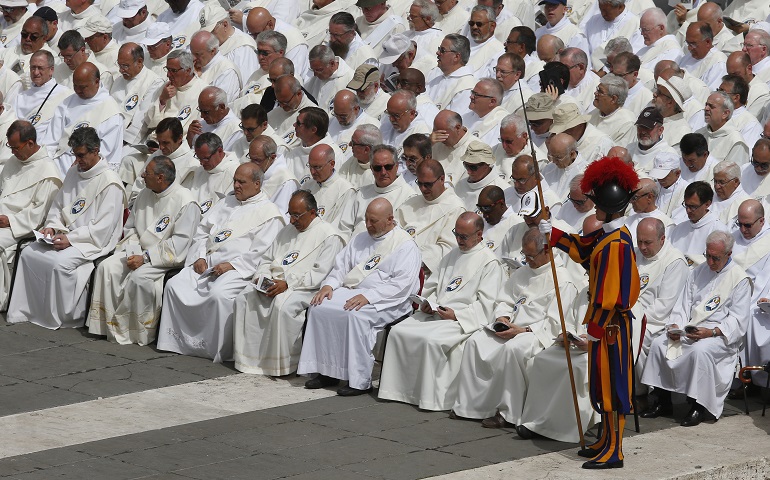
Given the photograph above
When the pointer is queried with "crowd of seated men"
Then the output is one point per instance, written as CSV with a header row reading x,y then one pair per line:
x,y
274,184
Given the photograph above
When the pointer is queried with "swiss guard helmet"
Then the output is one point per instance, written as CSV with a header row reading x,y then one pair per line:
x,y
609,182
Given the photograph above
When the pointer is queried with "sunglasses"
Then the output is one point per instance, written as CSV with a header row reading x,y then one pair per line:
x,y
379,168
472,166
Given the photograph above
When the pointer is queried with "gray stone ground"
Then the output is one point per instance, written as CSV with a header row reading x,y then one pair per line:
x,y
336,438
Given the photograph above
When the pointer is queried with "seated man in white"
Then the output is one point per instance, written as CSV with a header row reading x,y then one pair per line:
x,y
197,317
347,115
521,174
331,191
330,74
725,141
644,205
347,44
610,116
38,103
754,175
128,287
356,169
213,177
368,287
577,206
216,117
279,183
424,352
659,44
663,272
700,362
403,119
527,306
179,96
450,140
450,83
82,225
214,68
28,183
703,61
498,217
430,216
485,111
667,171
480,172
268,324
689,235
566,162
728,190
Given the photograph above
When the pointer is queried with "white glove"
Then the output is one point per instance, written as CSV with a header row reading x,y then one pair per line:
x,y
545,227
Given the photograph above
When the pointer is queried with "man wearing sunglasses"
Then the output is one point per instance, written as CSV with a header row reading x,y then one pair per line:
x,y
480,169
295,48
15,13
480,30
754,176
429,217
498,217
689,236
577,207
451,81
33,35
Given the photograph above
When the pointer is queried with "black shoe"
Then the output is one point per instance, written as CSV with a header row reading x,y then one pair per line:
x,y
696,415
588,452
591,465
321,381
524,432
657,411
348,391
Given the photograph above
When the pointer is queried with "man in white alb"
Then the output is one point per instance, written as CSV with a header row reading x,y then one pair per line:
x,y
213,178
331,191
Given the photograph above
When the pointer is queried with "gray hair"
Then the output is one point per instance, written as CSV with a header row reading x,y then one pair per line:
x,y
380,148
764,38
616,86
220,96
370,134
461,45
257,174
428,9
212,43
515,121
48,57
618,45
658,16
184,56
533,236
488,10
322,53
165,166
84,137
727,102
576,55
496,86
269,147
286,65
276,40
574,184
731,169
454,120
718,236
409,96
210,139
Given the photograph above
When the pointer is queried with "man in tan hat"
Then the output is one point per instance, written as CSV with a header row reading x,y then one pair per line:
x,y
377,22
591,143
450,141
366,84
486,112
669,99
97,32
429,217
402,120
725,141
480,170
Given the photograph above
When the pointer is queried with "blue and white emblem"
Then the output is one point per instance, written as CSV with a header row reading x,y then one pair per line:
x,y
34,119
521,301
343,146
454,284
321,211
184,113
644,279
132,102
162,223
81,125
178,41
223,235
713,303
290,258
372,262
79,205
205,206
490,244
410,230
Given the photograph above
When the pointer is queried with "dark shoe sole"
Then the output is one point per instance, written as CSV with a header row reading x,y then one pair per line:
x,y
602,465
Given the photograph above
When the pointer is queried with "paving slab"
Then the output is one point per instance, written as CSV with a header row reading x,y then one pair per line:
x,y
55,361
349,450
167,458
28,396
279,437
439,433
376,418
92,469
415,465
265,466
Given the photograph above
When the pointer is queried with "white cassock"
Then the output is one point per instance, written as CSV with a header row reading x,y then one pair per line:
x,y
494,234
758,186
135,98
583,92
759,96
352,218
599,31
342,135
746,123
267,332
567,32
619,125
374,34
279,184
63,75
430,223
283,121
51,284
710,69
486,128
657,298
297,156
379,103
324,90
254,88
726,144
126,303
638,98
633,219
241,49
451,92
451,157
665,48
569,215
360,53
209,186
27,189
493,371
394,138
559,178
221,72
754,256
100,112
314,22
183,105
644,158
424,352
135,34
704,369
197,317
594,144
133,166
331,196
228,130
357,173
727,209
338,343
749,11
427,42
690,238
706,173
469,191
548,407
182,25
38,104
674,128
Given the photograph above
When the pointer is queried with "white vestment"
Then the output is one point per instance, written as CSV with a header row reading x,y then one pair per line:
x,y
267,332
279,184
135,97
469,191
221,72
594,144
38,104
645,158
283,121
619,125
209,186
324,90
182,25
710,69
183,105
338,343
357,173
424,352
331,196
451,92
197,317
314,22
690,238
559,178
374,34
352,218
726,144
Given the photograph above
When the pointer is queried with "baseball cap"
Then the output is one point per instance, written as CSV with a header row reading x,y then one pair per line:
x,y
364,76
129,8
156,32
212,14
394,47
96,24
46,13
663,164
649,117
530,204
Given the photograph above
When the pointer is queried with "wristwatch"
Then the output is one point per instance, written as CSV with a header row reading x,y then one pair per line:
x,y
714,332
146,256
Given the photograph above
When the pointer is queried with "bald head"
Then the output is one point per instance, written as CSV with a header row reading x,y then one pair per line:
x,y
621,153
259,19
468,230
664,65
85,80
379,217
548,48
591,224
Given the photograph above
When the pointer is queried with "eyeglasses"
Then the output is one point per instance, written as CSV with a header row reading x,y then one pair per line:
x,y
513,42
204,159
337,35
521,181
397,116
246,129
503,73
358,144
720,89
554,158
207,112
408,159
462,237
255,159
475,94
172,71
264,53
378,168
691,207
639,196
760,165
477,24
746,225
32,36
714,258
296,216
343,116
600,93
531,257
647,30
749,45
287,102
657,93
68,58
427,185
316,168
576,202
472,167
486,208
722,183
442,50
121,66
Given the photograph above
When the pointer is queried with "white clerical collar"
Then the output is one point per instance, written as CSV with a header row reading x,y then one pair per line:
x,y
614,225
661,253
216,59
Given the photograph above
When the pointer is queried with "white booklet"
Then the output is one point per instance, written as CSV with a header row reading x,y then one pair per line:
x,y
133,249
419,299
43,238
263,283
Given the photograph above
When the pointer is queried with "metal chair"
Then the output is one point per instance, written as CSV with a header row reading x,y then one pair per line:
x,y
19,246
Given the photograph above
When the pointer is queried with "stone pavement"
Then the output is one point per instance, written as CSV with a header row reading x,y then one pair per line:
x,y
76,406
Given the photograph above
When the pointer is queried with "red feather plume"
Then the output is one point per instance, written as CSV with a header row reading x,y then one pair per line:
x,y
609,169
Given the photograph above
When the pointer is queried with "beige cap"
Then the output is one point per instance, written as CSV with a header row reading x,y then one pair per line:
x,y
96,24
364,76
678,89
211,14
539,107
565,117
478,152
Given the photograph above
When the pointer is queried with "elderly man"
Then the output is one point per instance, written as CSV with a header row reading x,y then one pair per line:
x,y
484,47
527,306
28,183
76,15
347,44
72,49
725,141
582,81
626,65
663,272
89,106
743,120
751,253
136,89
452,80
577,207
377,22
565,162
739,64
387,184
135,19
429,217
730,194
724,39
183,20
696,158
509,70
480,169
559,25
450,141
666,171
32,41
703,60
97,32
591,143
330,75
644,205
227,248
613,20
467,279
14,16
82,225
234,44
366,84
356,169
352,306
485,111
156,237
216,117
347,116
540,108
268,321
179,95
213,178
402,119
514,142
159,44
754,176
659,44
689,235
650,141
279,183
290,99
498,217
295,48
610,117
669,99
332,192
422,18
703,335
311,129
213,67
